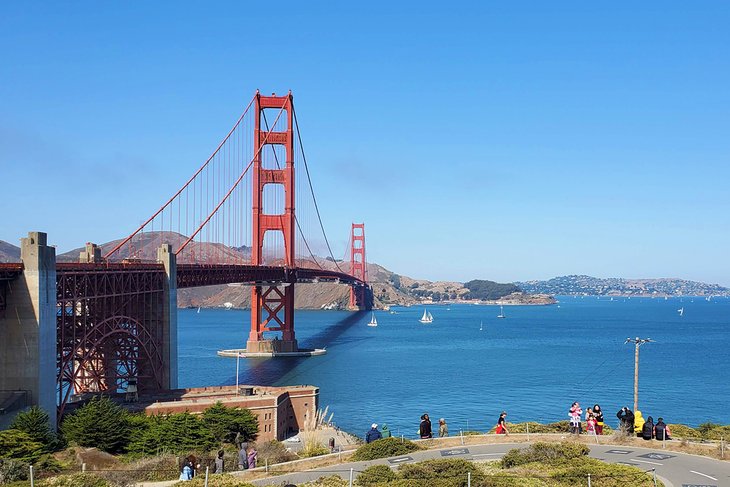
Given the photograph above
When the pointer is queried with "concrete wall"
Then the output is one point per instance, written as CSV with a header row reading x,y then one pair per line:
x,y
28,332
166,255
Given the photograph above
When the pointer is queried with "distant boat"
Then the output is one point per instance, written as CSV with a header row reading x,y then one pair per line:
x,y
501,312
426,318
198,309
611,299
228,305
373,321
681,311
481,326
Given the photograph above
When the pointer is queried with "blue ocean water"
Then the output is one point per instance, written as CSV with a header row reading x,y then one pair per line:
x,y
533,364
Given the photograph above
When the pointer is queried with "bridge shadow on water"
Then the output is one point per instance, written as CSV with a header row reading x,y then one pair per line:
x,y
270,371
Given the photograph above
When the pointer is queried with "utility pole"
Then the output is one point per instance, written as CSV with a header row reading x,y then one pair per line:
x,y
637,343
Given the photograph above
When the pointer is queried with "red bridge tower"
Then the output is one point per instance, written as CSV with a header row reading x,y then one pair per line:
x,y
358,264
272,306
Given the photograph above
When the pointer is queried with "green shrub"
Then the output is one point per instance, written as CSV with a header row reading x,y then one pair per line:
x,y
224,423
36,423
273,451
223,480
19,445
446,472
313,449
100,423
331,481
682,431
548,453
76,480
603,474
383,448
376,473
716,433
12,470
172,433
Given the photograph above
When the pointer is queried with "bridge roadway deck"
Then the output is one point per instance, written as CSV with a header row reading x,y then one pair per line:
x,y
194,275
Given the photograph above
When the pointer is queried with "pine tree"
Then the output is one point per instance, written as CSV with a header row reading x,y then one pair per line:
x,y
99,423
36,423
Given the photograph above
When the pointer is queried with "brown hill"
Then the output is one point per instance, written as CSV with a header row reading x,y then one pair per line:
x,y
9,252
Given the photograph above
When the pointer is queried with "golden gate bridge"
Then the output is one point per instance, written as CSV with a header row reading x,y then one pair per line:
x,y
238,219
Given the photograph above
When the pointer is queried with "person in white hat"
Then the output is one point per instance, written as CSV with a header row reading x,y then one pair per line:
x,y
373,434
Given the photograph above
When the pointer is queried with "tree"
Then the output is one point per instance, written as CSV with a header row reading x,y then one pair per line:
x,y
172,433
36,423
19,445
224,423
99,423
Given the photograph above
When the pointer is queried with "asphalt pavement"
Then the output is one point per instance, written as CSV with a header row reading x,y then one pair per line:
x,y
673,468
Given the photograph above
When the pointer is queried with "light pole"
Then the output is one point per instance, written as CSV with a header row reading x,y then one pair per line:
x,y
637,343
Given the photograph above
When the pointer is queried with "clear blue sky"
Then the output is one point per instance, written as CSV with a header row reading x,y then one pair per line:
x,y
508,141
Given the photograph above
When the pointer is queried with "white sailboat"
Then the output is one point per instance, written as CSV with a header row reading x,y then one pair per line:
x,y
501,312
373,321
481,326
426,318
198,309
681,311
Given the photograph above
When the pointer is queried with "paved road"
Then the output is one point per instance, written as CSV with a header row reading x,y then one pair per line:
x,y
674,469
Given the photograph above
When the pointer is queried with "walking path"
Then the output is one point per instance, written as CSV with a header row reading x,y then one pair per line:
x,y
673,468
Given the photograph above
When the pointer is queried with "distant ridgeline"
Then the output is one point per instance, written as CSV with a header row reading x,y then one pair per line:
x,y
593,286
488,290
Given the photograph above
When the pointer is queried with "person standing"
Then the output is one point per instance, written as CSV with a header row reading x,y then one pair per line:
x,y
502,424
219,462
373,434
243,457
661,430
252,456
598,414
626,420
386,431
424,430
575,413
443,428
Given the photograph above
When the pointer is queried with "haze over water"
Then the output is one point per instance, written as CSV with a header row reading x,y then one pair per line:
x,y
532,364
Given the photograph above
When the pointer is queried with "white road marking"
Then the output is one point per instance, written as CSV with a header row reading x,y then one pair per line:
x,y
704,475
486,454
646,461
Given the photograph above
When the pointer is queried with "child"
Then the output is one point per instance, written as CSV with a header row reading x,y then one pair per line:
x,y
591,424
575,413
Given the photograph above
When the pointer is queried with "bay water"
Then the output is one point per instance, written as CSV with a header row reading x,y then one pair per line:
x,y
532,364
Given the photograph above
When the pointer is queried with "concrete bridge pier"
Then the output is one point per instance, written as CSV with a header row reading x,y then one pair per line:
x,y
167,257
28,331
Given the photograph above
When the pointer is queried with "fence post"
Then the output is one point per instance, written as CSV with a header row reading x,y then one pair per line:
x,y
722,447
528,430
596,435
83,467
468,479
266,465
654,475
402,438
589,480
32,483
461,434
352,471
206,475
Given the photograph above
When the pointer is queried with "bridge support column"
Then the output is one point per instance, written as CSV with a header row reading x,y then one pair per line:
x,y
272,309
28,344
166,256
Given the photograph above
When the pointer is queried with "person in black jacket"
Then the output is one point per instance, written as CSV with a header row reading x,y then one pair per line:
x,y
647,431
661,430
424,430
626,418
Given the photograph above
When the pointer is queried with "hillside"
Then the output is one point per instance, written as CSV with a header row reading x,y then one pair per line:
x,y
593,286
9,252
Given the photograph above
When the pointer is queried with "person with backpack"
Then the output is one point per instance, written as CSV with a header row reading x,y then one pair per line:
x,y
626,420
